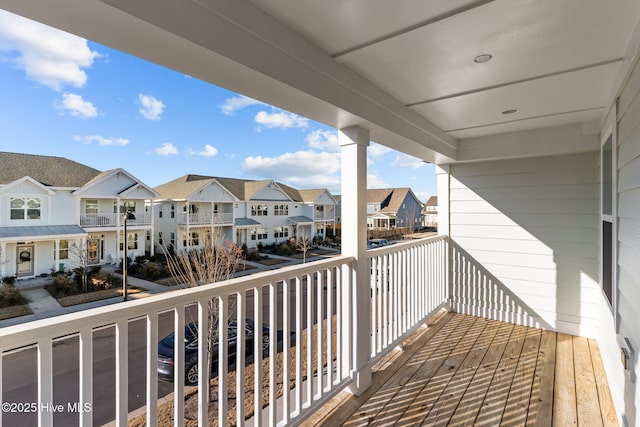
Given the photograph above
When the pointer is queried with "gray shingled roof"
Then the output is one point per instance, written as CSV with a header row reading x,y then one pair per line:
x,y
48,170
182,187
300,220
35,231
244,222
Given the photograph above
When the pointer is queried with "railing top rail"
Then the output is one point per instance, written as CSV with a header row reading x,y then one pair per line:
x,y
17,336
407,244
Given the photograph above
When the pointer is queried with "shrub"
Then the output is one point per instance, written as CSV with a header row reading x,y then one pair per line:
x,y
62,286
102,281
9,296
253,255
9,280
153,271
260,247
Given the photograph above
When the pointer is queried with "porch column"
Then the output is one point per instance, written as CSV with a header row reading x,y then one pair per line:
x,y
443,182
354,142
56,254
3,259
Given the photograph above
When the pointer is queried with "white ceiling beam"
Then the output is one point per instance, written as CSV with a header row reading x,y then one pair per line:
x,y
567,139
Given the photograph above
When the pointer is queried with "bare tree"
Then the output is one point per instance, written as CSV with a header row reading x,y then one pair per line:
x,y
80,257
303,244
214,261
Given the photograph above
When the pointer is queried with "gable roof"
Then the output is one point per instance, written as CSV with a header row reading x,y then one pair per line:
x,y
48,170
378,195
183,186
390,199
433,201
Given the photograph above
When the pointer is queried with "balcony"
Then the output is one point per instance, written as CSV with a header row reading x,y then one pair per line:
x,y
112,220
458,365
205,218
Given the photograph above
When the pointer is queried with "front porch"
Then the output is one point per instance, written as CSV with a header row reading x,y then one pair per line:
x,y
464,370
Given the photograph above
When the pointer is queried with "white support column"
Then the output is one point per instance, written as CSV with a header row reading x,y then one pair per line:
x,y
3,259
443,180
354,142
56,254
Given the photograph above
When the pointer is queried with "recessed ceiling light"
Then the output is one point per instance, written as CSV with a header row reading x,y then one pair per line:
x,y
481,59
507,112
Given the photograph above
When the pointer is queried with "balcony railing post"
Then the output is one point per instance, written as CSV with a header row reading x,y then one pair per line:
x,y
354,142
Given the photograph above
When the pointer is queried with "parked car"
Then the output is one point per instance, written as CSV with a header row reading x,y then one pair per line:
x,y
166,350
377,243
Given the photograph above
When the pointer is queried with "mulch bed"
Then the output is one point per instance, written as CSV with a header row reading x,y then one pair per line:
x,y
14,311
95,296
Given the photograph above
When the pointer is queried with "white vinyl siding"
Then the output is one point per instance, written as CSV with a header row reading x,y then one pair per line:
x,y
524,235
628,243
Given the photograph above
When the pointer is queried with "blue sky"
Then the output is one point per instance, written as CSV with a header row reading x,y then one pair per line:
x,y
65,96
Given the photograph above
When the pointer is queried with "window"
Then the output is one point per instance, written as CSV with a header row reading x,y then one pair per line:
x,y
173,210
259,210
160,241
25,208
259,234
195,238
281,210
160,213
63,250
173,238
280,232
91,206
263,233
132,241
124,207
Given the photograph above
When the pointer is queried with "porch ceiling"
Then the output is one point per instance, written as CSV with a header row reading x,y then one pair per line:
x,y
403,69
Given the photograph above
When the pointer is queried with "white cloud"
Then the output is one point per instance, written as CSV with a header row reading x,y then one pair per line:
x,y
323,140
166,149
76,106
101,140
150,107
374,181
303,168
405,161
209,151
231,105
377,150
281,119
48,56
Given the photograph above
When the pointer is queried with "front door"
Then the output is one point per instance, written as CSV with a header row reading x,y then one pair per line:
x,y
25,261
93,252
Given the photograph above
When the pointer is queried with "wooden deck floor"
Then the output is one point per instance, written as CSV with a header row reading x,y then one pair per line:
x,y
465,370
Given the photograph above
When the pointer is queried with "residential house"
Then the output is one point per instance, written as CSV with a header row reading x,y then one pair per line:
x,y
393,208
189,207
430,213
57,213
529,109
238,210
320,205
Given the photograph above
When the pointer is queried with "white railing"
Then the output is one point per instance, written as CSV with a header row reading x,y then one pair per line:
x,y
306,308
408,284
314,361
205,218
98,220
112,220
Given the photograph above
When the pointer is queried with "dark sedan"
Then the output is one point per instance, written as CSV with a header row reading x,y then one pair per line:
x,y
166,347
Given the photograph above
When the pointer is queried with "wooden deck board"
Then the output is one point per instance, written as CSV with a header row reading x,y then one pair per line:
x,y
465,371
540,411
564,400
